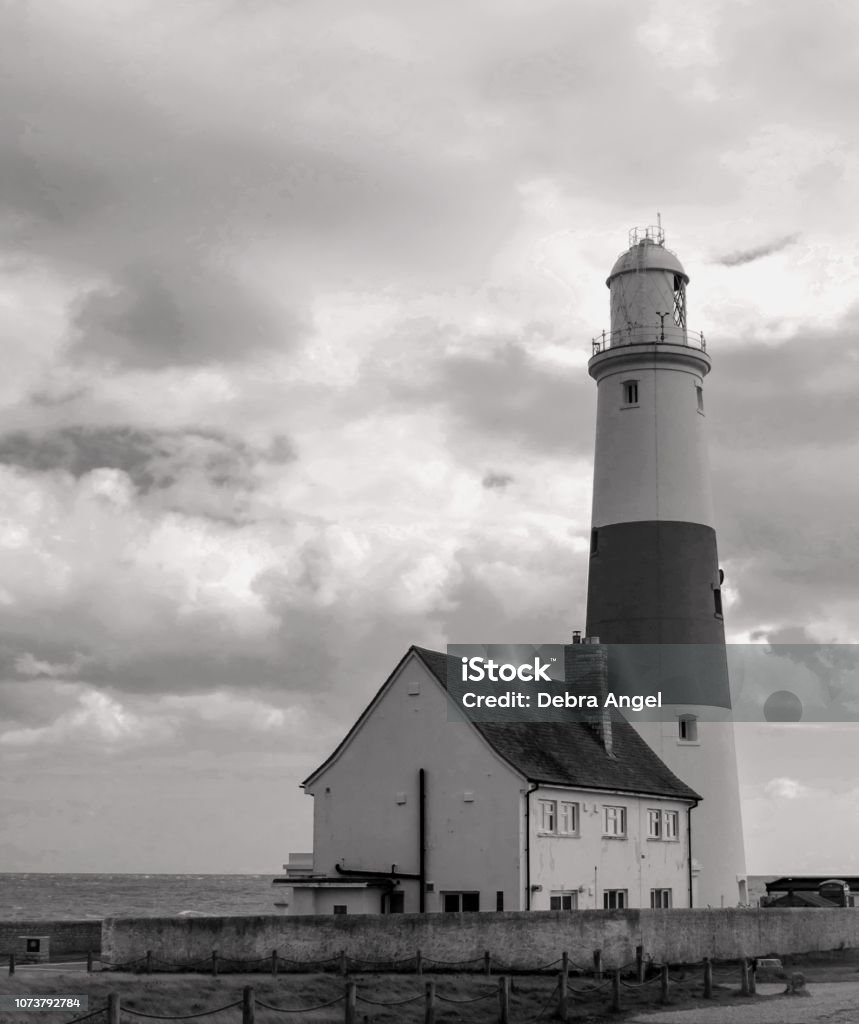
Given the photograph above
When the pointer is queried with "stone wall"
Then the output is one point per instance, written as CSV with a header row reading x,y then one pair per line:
x,y
66,936
516,939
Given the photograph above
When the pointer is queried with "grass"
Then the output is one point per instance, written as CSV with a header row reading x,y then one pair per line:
x,y
175,994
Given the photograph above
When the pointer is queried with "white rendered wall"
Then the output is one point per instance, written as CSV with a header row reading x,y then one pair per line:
x,y
651,459
709,766
595,863
474,844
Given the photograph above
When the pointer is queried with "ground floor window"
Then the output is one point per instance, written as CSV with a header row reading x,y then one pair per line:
x,y
564,900
393,903
615,899
660,899
339,908
454,902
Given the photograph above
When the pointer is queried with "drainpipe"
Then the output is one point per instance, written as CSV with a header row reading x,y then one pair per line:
x,y
422,840
534,786
689,845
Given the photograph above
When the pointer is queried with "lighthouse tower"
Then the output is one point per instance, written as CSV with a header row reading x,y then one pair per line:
x,y
654,576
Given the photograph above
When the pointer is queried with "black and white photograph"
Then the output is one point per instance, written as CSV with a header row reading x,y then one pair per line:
x,y
429,555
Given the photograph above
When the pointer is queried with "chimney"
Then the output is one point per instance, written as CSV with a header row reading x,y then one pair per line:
x,y
587,664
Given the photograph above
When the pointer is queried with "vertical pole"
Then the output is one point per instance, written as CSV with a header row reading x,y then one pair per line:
x,y
214,961
419,967
113,1008
11,963
249,1012
663,982
615,991
343,970
565,962
708,978
562,996
429,1004
744,977
639,964
422,841
753,981
148,961
89,961
274,963
598,964
351,1003
504,1000
487,963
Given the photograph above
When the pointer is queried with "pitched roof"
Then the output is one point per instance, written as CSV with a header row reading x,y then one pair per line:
x,y
571,753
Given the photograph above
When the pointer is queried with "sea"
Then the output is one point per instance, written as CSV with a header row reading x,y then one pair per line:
x,y
45,897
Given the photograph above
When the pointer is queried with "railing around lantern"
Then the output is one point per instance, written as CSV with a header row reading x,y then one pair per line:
x,y
658,334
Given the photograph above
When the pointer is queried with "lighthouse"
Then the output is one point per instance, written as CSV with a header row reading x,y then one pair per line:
x,y
654,582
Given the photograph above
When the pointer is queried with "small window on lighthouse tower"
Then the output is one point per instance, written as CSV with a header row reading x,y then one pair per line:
x,y
679,301
688,728
700,393
630,392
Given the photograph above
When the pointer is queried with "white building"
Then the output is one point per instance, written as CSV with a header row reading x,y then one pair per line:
x,y
414,811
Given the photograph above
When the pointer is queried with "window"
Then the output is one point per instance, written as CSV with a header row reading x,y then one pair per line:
x,y
568,819
454,902
614,822
671,825
499,900
396,902
547,816
699,391
614,899
630,392
717,601
679,301
564,900
688,726
660,899
339,908
654,823
595,542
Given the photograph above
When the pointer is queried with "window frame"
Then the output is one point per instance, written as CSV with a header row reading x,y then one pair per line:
x,y
689,724
654,823
630,393
560,895
575,814
661,899
547,809
618,820
620,898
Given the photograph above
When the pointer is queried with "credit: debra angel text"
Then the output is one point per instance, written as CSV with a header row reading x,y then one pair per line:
x,y
478,669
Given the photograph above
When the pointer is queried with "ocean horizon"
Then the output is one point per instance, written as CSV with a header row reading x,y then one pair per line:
x,y
45,896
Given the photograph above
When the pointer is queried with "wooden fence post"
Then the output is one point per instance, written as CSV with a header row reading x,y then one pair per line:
x,y
663,982
214,961
562,996
708,978
351,1003
419,967
249,1012
113,1008
89,961
429,1004
615,991
598,964
639,964
343,965
11,963
148,961
274,963
565,962
503,1000
487,963
744,977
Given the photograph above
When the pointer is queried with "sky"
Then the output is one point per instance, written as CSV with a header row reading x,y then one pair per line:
x,y
296,302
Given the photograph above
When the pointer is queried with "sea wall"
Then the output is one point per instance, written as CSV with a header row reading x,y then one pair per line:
x,y
515,939
65,936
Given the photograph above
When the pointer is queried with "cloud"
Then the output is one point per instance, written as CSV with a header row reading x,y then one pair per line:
x,y
741,257
497,481
785,789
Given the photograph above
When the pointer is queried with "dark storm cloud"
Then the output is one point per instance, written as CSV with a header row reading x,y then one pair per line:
x,y
509,394
738,259
497,481
152,459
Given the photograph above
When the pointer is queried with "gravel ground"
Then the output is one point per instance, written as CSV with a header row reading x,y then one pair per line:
x,y
827,1003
